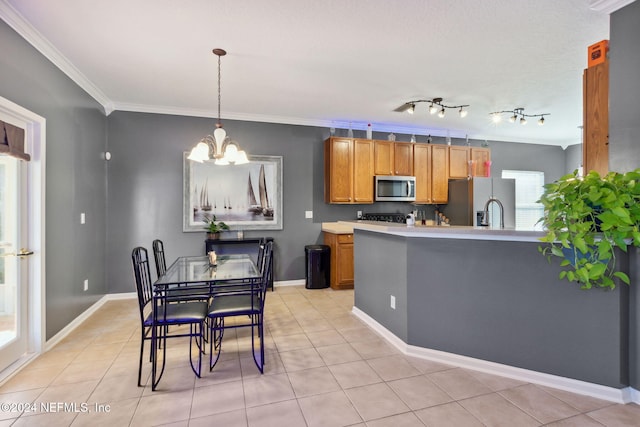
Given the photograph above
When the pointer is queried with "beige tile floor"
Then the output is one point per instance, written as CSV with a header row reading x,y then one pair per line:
x,y
324,368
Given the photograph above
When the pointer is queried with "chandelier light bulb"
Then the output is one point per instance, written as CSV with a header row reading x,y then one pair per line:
x,y
220,135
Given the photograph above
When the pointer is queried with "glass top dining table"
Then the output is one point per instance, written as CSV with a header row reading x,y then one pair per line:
x,y
197,270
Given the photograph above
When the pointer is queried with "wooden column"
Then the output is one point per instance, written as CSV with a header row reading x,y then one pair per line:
x,y
595,143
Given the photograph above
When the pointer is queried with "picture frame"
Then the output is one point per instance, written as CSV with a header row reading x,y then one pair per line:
x,y
245,197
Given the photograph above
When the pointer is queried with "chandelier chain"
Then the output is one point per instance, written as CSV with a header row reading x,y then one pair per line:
x,y
219,92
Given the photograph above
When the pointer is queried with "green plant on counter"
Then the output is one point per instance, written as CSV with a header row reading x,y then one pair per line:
x,y
213,226
586,219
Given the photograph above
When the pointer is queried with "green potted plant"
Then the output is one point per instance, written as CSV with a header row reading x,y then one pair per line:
x,y
586,220
214,227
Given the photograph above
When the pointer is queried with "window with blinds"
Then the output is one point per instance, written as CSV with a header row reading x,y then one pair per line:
x,y
529,188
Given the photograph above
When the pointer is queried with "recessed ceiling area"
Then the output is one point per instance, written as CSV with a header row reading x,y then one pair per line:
x,y
330,63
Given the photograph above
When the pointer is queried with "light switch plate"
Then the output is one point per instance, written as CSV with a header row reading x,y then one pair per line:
x,y
308,214
393,302
82,218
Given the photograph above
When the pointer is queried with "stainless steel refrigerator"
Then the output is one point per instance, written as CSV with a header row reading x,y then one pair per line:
x,y
468,197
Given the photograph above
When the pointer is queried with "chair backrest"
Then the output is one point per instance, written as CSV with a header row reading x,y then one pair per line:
x,y
158,255
265,267
142,274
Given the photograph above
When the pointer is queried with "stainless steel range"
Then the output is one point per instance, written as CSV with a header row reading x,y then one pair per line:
x,y
385,217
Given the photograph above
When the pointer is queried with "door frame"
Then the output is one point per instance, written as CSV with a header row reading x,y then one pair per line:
x,y
35,144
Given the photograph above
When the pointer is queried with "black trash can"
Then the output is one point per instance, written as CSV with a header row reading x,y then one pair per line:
x,y
317,258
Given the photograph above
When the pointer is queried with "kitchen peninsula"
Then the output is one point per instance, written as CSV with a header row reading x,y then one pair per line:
x,y
489,296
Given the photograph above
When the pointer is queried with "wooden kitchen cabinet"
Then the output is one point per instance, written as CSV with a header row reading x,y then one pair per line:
x,y
383,157
393,158
430,165
481,156
458,161
348,171
595,140
342,270
403,158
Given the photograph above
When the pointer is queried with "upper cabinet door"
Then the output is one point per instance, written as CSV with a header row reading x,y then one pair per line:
x,y
383,154
481,156
422,170
439,174
403,158
362,171
458,161
338,170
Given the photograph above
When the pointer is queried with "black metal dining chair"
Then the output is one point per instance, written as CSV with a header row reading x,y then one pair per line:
x,y
159,310
246,301
158,256
176,291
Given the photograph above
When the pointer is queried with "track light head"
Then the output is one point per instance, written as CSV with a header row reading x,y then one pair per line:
x,y
463,112
433,109
412,108
513,118
496,118
541,121
441,113
523,121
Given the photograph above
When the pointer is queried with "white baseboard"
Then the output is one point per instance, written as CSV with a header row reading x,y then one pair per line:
x,y
64,332
283,283
598,391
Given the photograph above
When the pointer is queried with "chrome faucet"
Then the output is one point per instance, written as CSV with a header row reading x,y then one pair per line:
x,y
485,220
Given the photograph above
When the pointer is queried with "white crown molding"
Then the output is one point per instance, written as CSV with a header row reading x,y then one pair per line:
x,y
336,124
16,21
608,6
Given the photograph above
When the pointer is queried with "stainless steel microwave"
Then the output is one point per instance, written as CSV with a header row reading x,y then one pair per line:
x,y
395,188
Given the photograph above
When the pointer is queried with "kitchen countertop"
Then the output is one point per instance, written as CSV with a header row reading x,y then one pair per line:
x,y
337,227
438,232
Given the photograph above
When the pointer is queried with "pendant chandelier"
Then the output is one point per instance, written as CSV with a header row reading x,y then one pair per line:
x,y
229,152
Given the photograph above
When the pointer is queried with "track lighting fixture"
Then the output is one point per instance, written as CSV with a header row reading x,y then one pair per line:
x,y
496,116
435,106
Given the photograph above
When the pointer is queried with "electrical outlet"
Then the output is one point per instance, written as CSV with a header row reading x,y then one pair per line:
x,y
359,214
308,214
393,302
86,284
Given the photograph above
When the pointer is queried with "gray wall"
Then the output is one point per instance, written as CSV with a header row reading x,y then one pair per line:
x,y
75,176
498,301
145,187
573,157
624,128
624,89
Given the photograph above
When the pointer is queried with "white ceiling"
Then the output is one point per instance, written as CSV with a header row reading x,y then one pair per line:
x,y
330,62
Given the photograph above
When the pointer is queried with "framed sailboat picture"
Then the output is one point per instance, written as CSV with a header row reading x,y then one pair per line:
x,y
245,197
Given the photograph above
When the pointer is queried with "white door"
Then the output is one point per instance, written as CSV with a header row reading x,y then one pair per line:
x,y
14,259
22,215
